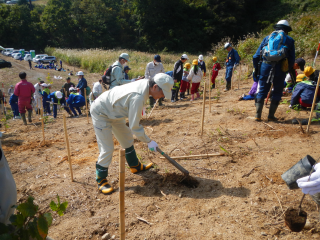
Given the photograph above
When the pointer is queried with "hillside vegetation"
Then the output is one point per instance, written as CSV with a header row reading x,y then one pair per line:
x,y
306,33
143,25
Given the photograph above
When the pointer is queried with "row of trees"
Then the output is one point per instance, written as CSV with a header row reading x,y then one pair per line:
x,y
146,25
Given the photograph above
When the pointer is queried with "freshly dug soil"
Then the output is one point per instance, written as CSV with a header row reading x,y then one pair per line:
x,y
294,220
180,179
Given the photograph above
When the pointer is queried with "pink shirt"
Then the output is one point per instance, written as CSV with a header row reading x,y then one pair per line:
x,y
24,90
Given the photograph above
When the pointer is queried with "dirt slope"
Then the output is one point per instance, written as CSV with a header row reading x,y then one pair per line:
x,y
225,205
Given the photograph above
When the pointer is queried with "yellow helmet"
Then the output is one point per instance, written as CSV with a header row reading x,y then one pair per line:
x,y
301,77
195,62
187,65
308,71
214,59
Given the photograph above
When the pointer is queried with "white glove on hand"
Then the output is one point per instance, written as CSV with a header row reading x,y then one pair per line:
x,y
313,186
152,146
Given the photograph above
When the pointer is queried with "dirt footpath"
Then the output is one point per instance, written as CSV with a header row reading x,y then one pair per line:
x,y
240,195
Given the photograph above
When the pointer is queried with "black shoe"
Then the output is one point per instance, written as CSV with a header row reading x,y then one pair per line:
x,y
213,86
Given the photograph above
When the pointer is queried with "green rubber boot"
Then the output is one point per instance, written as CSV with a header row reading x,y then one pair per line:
x,y
272,110
29,116
259,106
23,116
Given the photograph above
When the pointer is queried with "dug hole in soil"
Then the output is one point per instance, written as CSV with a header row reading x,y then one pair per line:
x,y
239,195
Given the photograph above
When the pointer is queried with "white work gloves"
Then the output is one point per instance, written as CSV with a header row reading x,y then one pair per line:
x,y
313,185
152,146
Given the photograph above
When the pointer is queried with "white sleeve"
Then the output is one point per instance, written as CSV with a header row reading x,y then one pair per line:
x,y
288,78
146,74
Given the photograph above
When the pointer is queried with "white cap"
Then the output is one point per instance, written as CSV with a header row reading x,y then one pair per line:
x,y
200,57
227,45
165,82
11,85
80,73
44,85
184,56
125,56
58,94
72,89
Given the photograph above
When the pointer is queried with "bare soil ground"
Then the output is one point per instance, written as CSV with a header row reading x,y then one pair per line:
x,y
240,195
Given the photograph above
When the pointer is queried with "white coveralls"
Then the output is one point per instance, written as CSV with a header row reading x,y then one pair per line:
x,y
109,113
8,190
37,96
117,75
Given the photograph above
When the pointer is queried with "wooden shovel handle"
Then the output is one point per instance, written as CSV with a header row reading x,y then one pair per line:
x,y
173,162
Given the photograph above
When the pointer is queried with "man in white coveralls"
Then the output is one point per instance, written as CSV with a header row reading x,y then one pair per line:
x,y
109,113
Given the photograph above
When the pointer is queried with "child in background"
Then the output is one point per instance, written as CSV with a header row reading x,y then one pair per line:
x,y
195,76
215,70
45,100
14,106
185,82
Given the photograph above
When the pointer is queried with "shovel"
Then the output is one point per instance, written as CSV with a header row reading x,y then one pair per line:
x,y
173,162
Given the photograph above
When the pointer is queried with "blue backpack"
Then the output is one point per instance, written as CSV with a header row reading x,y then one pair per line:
x,y
276,49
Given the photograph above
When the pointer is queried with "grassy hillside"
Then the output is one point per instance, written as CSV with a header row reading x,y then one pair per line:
x,y
306,33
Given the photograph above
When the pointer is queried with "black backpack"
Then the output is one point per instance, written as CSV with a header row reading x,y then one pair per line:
x,y
106,78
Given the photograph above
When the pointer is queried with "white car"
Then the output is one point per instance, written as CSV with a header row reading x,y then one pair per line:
x,y
38,57
13,53
17,56
27,57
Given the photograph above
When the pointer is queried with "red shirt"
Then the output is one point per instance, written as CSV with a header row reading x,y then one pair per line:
x,y
24,90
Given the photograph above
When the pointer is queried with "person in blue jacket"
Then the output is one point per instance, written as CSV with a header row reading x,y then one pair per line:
x,y
14,106
57,98
279,75
202,65
82,84
75,101
303,94
45,93
232,62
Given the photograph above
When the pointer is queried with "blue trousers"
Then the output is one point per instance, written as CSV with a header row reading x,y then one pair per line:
x,y
46,107
278,82
229,73
76,106
248,97
55,110
15,109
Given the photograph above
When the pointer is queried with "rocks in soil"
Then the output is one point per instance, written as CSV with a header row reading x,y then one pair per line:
x,y
308,225
264,234
106,236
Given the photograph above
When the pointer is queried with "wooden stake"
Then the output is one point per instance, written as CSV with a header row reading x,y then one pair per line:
x,y
42,123
197,156
85,96
313,103
209,94
239,76
153,108
122,157
67,144
203,107
247,73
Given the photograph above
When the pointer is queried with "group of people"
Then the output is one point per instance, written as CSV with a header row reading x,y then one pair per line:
x,y
25,96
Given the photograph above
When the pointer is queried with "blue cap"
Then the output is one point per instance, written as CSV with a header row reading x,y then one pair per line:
x,y
157,58
126,68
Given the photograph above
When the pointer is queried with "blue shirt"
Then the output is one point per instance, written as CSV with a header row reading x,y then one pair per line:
x,y
233,58
76,99
202,65
55,99
82,84
13,99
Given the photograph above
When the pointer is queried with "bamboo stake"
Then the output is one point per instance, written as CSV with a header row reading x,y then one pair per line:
x,y
67,144
313,103
153,108
42,123
209,95
247,73
197,156
203,107
239,76
85,96
121,193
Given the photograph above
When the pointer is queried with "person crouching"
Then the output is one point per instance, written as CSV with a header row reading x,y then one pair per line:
x,y
75,101
56,98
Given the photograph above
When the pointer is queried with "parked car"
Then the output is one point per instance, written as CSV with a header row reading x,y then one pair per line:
x,y
27,57
17,56
47,59
4,63
38,57
13,53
